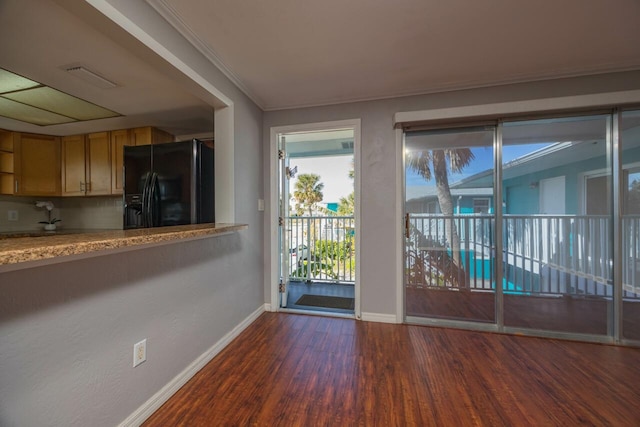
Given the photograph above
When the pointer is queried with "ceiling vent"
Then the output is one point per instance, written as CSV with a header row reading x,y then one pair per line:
x,y
91,77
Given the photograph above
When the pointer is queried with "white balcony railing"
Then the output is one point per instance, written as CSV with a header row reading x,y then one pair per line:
x,y
321,248
542,254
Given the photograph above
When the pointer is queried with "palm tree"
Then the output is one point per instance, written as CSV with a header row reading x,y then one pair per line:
x,y
308,192
346,205
442,161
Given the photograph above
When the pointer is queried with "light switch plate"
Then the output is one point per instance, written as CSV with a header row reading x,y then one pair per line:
x,y
261,205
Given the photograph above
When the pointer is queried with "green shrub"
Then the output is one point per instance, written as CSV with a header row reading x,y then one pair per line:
x,y
330,249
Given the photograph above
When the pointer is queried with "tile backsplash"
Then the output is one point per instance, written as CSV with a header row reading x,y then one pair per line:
x,y
75,212
92,212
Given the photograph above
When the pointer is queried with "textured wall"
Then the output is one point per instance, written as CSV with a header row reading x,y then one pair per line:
x,y
68,329
378,189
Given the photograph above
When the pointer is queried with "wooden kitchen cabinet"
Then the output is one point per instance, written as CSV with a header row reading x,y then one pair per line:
x,y
73,165
37,165
119,139
86,165
98,164
77,165
150,135
7,176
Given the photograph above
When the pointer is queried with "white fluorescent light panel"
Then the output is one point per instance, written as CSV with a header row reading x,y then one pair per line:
x,y
31,102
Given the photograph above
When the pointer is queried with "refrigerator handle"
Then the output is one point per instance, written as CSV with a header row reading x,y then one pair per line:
x,y
145,202
152,206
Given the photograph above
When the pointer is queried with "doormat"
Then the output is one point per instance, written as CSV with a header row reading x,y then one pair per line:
x,y
326,301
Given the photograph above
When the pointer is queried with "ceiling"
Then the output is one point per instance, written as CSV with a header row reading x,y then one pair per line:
x,y
287,54
40,38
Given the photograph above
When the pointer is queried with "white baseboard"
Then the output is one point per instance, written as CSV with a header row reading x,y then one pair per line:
x,y
267,307
150,406
379,317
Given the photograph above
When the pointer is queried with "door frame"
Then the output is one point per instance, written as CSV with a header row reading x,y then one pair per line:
x,y
273,254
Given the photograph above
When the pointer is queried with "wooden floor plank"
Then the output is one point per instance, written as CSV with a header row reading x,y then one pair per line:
x,y
295,370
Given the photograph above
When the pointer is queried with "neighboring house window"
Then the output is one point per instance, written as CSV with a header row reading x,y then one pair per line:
x,y
480,206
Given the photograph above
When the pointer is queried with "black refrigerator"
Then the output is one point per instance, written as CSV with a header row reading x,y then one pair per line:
x,y
168,184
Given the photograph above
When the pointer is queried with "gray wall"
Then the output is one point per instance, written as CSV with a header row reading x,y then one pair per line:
x,y
378,168
67,330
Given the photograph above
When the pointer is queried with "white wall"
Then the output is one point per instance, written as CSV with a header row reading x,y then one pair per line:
x,y
67,330
379,224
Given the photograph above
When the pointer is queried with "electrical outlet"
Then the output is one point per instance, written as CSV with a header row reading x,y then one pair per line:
x,y
139,352
12,215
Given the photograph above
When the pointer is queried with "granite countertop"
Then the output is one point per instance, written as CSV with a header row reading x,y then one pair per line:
x,y
21,247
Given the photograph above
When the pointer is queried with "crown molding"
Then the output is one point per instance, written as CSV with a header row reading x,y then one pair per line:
x,y
171,16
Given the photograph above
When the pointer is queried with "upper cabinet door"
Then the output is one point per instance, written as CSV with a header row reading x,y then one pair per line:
x,y
98,164
119,139
86,165
149,135
37,165
73,165
141,136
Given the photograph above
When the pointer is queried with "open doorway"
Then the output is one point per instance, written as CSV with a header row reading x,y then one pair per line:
x,y
317,232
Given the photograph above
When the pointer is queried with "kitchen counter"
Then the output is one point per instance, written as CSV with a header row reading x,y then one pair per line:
x,y
22,250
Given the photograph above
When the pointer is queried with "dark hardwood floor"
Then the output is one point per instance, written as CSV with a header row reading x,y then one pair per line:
x,y
295,370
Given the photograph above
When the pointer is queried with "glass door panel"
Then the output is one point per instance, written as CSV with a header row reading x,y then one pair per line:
x,y
449,224
557,241
630,142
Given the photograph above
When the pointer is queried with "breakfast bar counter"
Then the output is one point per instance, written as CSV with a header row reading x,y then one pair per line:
x,y
19,250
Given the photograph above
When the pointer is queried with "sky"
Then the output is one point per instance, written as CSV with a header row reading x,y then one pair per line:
x,y
483,161
333,171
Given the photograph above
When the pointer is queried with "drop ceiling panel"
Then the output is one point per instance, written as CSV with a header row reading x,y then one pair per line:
x,y
10,82
50,99
26,113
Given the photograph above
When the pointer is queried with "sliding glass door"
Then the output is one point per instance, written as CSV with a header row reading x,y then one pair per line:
x,y
529,226
449,225
557,225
